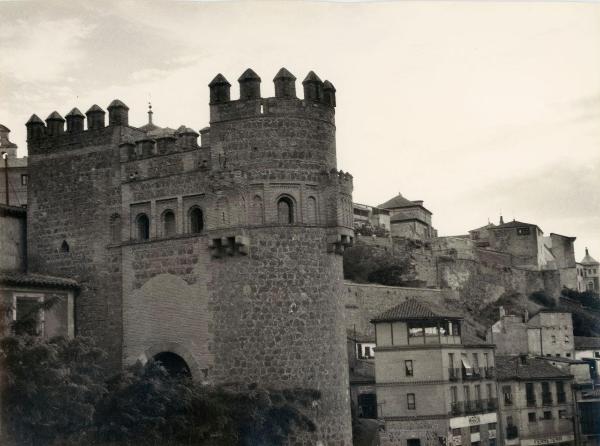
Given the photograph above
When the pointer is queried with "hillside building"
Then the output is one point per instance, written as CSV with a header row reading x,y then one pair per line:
x,y
535,404
588,274
409,219
435,383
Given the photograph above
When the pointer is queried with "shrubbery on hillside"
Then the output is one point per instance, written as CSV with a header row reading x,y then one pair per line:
x,y
365,263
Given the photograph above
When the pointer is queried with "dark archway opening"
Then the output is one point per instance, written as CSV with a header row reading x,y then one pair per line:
x,y
174,364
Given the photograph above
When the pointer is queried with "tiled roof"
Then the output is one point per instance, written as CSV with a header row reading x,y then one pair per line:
x,y
36,280
587,343
514,224
513,368
398,202
412,309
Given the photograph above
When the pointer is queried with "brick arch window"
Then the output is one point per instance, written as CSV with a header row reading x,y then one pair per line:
x,y
311,211
196,218
285,210
168,223
142,223
115,228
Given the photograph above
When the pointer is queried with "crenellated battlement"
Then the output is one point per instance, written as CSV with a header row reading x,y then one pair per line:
x,y
318,103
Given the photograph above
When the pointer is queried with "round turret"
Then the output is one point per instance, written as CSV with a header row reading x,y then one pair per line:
x,y
95,117
35,128
219,89
55,123
118,113
249,85
75,121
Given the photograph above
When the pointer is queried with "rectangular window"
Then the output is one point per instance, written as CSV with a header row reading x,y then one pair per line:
x,y
456,432
492,442
451,360
530,394
453,394
490,392
547,415
413,442
415,330
486,360
553,339
467,393
475,361
507,393
477,392
410,401
562,414
431,330
546,394
492,426
532,417
522,231
408,368
24,179
561,396
474,429
29,315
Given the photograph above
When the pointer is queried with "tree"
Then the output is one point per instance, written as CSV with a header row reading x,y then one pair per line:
x,y
52,387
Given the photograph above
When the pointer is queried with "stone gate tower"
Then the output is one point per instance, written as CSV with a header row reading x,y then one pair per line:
x,y
278,307
223,258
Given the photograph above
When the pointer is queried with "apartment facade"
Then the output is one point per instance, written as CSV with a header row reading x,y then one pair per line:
x,y
434,383
535,402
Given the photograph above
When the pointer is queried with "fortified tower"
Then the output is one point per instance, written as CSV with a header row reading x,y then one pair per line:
x,y
221,259
278,274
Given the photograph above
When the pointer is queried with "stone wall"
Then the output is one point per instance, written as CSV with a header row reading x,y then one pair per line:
x,y
365,301
12,238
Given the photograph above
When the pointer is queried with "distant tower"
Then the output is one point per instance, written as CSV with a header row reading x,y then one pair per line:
x,y
277,266
588,274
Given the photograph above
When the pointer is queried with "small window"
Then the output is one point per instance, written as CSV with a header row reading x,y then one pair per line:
x,y
492,426
115,228
143,227
474,429
506,391
553,339
562,414
64,247
196,220
456,432
408,368
24,179
531,416
596,354
523,231
168,221
413,442
547,415
410,401
285,210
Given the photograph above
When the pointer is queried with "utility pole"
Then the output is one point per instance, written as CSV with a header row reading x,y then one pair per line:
x,y
5,156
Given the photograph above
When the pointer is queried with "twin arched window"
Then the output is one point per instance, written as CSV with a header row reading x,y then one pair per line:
x,y
142,223
196,220
285,210
169,225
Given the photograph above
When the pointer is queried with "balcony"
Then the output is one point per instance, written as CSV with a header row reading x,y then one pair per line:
x,y
547,399
512,432
531,402
473,407
473,376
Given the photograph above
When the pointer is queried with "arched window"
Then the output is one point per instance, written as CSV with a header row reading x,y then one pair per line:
x,y
256,211
168,221
115,228
64,247
196,220
143,227
311,211
285,210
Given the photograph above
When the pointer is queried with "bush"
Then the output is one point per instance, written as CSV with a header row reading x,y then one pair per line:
x,y
364,263
541,298
586,298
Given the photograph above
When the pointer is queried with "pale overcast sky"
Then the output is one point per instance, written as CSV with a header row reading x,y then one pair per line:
x,y
476,108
